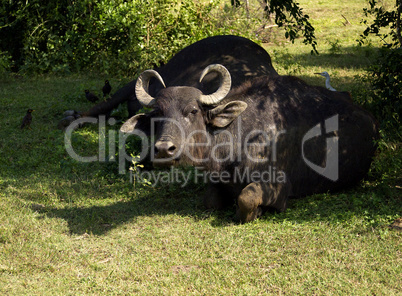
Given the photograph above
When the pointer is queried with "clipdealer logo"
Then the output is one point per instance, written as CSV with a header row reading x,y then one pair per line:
x,y
331,168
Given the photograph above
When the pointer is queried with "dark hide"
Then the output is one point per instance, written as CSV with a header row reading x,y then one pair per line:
x,y
243,58
283,107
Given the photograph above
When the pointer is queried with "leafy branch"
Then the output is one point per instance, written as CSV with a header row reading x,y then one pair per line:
x,y
290,15
384,19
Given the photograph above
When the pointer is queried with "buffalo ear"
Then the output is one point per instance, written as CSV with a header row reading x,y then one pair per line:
x,y
140,122
222,116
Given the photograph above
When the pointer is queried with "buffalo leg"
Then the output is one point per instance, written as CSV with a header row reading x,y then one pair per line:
x,y
218,196
249,203
256,197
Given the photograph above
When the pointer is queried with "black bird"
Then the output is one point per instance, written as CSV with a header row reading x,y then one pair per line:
x,y
107,88
90,96
26,121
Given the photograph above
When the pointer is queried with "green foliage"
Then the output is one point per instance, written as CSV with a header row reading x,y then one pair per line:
x,y
386,80
290,15
105,36
386,23
124,37
5,63
335,47
135,168
385,76
387,166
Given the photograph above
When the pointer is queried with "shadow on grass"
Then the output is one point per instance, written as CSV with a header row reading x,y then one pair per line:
x,y
355,57
374,205
338,59
100,219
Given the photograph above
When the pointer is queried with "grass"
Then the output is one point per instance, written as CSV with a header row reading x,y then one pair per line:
x,y
71,228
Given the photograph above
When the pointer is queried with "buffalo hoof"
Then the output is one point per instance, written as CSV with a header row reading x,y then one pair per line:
x,y
249,203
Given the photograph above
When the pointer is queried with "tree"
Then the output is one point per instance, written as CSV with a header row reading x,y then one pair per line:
x,y
386,75
287,14
290,15
118,35
384,19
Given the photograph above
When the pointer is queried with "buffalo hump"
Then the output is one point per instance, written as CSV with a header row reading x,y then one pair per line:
x,y
242,57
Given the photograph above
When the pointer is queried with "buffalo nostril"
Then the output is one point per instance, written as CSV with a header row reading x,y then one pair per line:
x,y
164,149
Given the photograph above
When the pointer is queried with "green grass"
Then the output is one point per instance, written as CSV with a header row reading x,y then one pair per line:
x,y
70,228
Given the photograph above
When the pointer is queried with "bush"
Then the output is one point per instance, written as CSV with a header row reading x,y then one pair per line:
x,y
124,37
5,63
385,78
114,36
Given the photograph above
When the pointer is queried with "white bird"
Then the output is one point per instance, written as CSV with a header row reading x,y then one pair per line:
x,y
327,84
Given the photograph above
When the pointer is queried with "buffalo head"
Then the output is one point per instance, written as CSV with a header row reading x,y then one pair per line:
x,y
182,117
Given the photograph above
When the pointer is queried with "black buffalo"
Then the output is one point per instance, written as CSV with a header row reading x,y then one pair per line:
x,y
260,141
242,57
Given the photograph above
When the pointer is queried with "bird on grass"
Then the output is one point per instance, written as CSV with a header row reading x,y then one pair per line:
x,y
327,84
26,121
90,96
106,89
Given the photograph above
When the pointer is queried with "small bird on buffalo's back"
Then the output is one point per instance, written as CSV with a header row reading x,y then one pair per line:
x,y
106,89
90,96
26,121
327,80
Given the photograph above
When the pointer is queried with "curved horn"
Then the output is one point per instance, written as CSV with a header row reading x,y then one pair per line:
x,y
142,84
224,87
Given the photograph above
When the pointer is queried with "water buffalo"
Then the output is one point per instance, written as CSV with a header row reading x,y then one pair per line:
x,y
242,57
259,143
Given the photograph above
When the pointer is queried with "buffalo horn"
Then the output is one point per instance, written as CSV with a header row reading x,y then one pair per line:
x,y
223,89
142,84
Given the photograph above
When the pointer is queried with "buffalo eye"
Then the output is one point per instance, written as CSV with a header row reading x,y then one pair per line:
x,y
194,111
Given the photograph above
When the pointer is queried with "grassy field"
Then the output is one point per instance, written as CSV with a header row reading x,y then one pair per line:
x,y
71,228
